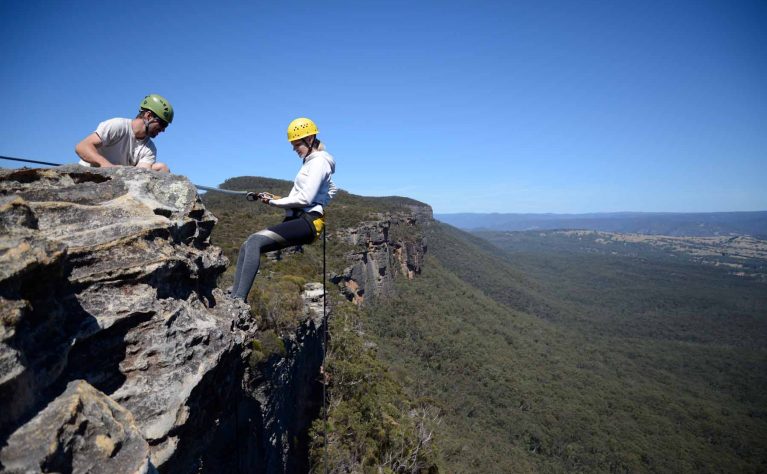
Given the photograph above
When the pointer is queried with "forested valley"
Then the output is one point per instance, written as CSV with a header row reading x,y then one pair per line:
x,y
537,352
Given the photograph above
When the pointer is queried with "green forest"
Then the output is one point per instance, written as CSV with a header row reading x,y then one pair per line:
x,y
550,360
520,352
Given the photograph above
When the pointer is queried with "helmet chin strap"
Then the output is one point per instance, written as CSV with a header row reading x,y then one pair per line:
x,y
147,123
309,145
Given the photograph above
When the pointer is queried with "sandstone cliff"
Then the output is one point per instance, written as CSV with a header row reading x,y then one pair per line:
x,y
384,249
117,352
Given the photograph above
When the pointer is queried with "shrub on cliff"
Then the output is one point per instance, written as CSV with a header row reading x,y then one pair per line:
x,y
371,423
267,345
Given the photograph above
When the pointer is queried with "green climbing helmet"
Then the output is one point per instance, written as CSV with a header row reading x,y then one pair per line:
x,y
159,105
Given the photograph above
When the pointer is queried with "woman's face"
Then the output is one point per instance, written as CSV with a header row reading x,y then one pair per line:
x,y
300,148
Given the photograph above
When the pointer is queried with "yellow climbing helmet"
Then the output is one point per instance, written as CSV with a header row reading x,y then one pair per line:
x,y
301,128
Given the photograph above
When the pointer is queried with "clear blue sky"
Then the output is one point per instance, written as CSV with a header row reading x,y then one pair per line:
x,y
473,106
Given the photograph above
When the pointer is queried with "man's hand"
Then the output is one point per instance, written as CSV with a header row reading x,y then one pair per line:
x,y
157,166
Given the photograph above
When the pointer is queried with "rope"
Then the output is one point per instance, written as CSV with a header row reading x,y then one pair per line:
x,y
218,190
30,161
324,351
237,422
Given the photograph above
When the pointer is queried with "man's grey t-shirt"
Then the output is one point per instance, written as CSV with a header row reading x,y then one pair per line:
x,y
120,146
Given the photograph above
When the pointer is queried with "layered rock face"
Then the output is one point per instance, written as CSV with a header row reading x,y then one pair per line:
x,y
117,353
286,395
385,248
82,430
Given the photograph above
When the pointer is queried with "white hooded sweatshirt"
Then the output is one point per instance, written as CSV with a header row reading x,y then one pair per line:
x,y
313,188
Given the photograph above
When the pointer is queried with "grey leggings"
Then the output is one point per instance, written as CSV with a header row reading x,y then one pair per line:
x,y
292,231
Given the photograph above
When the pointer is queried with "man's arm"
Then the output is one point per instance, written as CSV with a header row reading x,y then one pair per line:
x,y
88,150
148,159
157,166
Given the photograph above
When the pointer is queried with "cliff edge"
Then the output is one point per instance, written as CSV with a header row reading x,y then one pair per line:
x,y
117,353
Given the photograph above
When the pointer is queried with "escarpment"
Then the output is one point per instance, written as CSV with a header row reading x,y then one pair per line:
x,y
384,249
117,351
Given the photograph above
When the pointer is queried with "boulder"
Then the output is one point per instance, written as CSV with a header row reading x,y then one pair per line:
x,y
82,430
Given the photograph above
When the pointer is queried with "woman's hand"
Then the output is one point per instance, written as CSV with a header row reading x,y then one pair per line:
x,y
266,197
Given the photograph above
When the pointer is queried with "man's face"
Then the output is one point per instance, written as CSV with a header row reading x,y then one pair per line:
x,y
156,125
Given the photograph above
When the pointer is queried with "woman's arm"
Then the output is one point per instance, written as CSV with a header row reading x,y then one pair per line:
x,y
306,185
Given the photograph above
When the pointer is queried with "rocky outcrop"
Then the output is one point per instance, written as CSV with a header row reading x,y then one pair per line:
x,y
82,430
384,249
283,378
117,352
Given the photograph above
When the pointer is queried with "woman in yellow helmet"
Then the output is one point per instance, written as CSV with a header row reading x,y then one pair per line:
x,y
304,207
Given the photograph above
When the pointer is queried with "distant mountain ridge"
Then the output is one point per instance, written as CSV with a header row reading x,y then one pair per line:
x,y
654,223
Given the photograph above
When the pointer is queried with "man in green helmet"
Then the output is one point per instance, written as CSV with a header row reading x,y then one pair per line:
x,y
128,142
